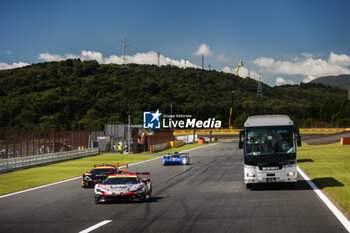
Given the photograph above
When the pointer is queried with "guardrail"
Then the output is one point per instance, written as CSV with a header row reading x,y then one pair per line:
x,y
236,131
12,164
158,147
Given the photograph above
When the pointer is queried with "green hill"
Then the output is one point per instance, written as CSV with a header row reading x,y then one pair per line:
x,y
341,81
75,95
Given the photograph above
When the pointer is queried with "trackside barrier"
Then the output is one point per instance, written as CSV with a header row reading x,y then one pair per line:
x,y
158,147
236,131
206,131
345,141
12,164
187,138
323,130
176,143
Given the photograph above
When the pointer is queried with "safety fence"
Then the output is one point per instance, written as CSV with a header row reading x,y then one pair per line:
x,y
12,164
20,143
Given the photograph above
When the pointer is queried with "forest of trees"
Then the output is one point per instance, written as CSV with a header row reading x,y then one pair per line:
x,y
76,95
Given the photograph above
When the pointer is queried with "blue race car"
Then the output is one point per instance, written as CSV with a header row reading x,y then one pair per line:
x,y
176,158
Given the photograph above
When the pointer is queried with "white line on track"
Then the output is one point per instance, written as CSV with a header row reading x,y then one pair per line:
x,y
94,227
79,177
329,204
108,221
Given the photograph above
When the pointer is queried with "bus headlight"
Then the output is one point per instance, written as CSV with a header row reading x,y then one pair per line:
x,y
251,175
291,174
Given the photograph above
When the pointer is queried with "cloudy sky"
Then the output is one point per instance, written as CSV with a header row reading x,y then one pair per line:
x,y
287,42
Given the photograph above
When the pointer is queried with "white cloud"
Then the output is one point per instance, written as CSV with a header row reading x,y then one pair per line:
x,y
203,49
150,58
306,66
55,57
339,59
5,66
227,69
243,72
282,81
8,52
92,55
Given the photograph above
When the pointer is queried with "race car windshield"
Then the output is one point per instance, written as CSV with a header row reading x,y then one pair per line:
x,y
103,171
121,180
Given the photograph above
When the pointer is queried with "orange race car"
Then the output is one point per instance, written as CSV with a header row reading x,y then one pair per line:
x,y
100,172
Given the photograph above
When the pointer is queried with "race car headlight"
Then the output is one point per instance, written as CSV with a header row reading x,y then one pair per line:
x,y
291,174
98,190
133,189
87,178
251,175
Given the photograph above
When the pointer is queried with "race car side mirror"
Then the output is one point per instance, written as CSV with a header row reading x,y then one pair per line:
x,y
147,180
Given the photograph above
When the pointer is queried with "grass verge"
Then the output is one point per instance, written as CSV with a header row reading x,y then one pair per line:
x,y
33,177
329,168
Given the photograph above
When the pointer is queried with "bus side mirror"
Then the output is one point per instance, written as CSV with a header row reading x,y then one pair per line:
x,y
240,143
299,140
298,137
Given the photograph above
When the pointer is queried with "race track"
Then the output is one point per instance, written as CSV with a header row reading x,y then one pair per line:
x,y
208,195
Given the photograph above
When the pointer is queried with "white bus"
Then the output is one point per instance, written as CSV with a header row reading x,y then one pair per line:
x,y
269,147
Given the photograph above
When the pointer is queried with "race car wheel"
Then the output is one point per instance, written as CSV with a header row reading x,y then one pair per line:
x,y
149,196
164,163
143,197
97,199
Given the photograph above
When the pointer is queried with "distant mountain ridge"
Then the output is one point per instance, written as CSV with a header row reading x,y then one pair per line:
x,y
342,81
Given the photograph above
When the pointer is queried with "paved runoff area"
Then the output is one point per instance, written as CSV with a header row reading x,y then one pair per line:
x,y
208,195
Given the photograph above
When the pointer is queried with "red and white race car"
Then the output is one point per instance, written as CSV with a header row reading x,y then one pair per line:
x,y
129,186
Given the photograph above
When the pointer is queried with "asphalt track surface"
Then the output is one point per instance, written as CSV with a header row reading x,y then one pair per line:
x,y
208,195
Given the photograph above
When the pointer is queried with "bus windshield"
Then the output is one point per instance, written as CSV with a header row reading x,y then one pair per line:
x,y
270,141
